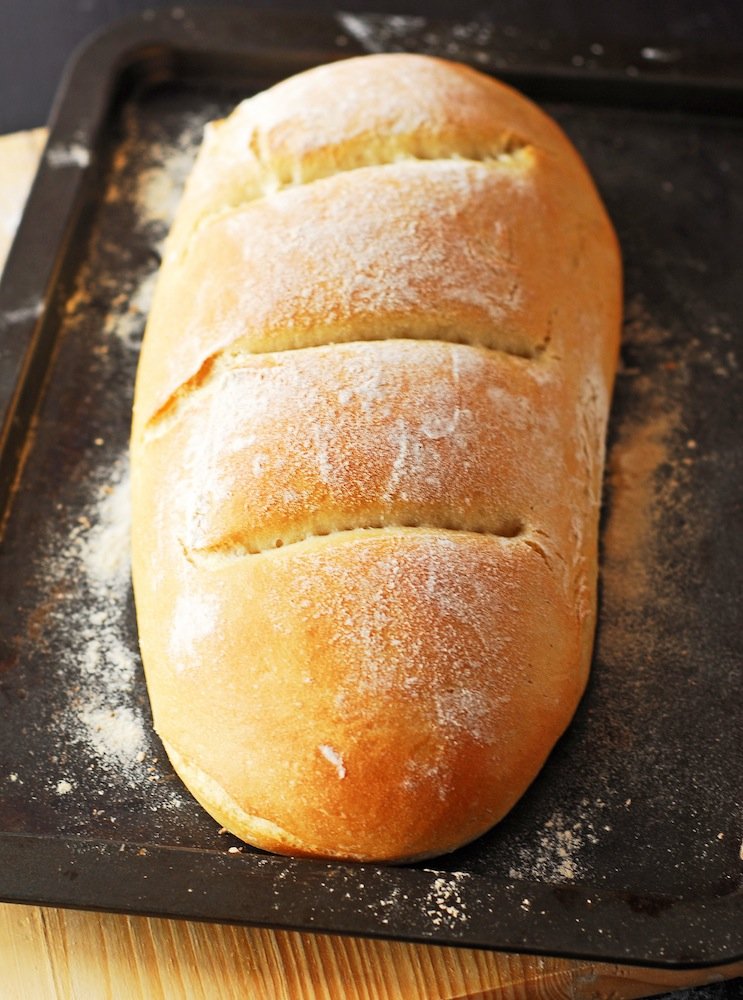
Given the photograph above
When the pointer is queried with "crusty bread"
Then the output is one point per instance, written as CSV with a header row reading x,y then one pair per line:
x,y
367,454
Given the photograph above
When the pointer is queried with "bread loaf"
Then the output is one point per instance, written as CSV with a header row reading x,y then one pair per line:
x,y
367,457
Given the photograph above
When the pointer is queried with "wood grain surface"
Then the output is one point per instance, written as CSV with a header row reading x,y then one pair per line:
x,y
48,954
67,954
19,156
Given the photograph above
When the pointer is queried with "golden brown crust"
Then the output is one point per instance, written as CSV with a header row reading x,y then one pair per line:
x,y
354,113
279,447
367,456
321,263
389,713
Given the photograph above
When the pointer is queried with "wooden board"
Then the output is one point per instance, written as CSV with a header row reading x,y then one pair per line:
x,y
47,953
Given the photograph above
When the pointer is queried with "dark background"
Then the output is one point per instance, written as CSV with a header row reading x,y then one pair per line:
x,y
37,38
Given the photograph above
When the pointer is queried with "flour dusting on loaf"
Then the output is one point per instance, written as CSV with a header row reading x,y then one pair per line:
x,y
367,453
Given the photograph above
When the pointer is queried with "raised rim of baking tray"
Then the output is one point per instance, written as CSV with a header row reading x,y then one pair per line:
x,y
567,920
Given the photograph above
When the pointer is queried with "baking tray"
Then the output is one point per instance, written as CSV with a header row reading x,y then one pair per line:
x,y
627,847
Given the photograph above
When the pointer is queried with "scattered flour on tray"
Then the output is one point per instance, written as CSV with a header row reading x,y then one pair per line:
x,y
444,903
103,719
557,857
101,715
151,182
87,562
382,32
477,41
159,188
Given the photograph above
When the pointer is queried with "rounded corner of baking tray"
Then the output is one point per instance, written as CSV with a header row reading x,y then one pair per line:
x,y
137,47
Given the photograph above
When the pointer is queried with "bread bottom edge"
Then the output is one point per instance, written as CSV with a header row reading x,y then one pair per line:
x,y
263,833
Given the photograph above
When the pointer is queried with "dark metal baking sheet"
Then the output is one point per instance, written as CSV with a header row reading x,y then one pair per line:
x,y
627,847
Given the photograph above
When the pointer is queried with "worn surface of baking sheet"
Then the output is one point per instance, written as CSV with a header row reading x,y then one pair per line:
x,y
628,846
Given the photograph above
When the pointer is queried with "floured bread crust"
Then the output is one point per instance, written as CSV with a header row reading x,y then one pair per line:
x,y
367,455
